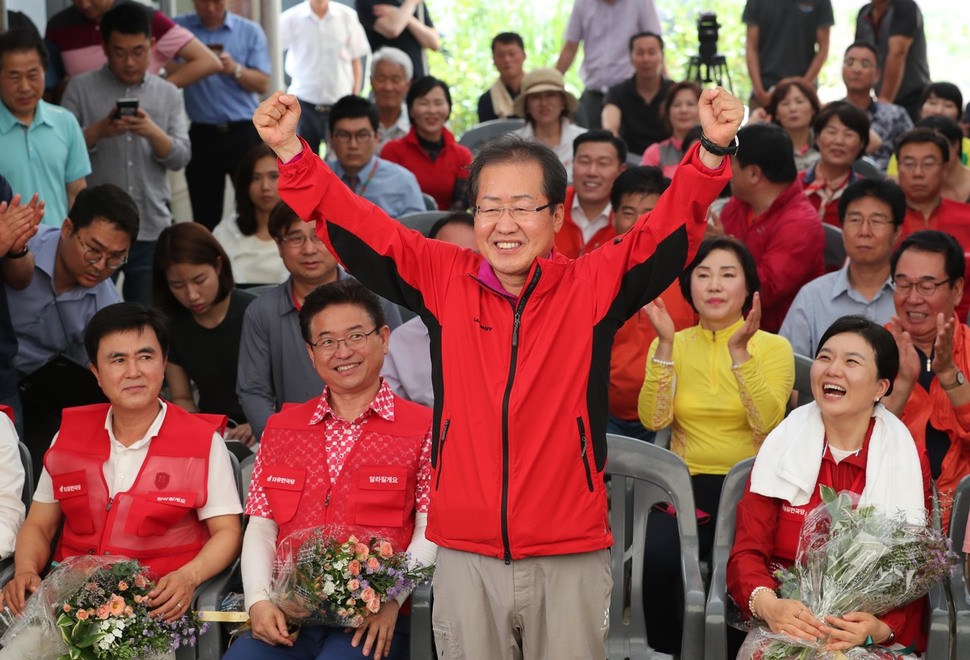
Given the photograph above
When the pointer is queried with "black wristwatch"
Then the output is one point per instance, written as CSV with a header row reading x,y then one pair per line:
x,y
18,255
718,150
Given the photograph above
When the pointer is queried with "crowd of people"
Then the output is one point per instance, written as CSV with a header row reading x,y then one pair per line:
x,y
624,261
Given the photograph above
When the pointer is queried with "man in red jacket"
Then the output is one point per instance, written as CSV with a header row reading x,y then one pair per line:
x,y
520,345
140,478
598,158
771,215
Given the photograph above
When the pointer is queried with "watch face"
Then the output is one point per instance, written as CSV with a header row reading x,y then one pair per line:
x,y
961,379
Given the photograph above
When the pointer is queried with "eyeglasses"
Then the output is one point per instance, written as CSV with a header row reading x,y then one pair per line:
x,y
347,136
295,241
925,287
911,164
856,220
94,256
495,213
394,80
850,62
329,345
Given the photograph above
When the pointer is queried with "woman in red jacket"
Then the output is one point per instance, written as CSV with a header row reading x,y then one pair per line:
x,y
846,440
429,150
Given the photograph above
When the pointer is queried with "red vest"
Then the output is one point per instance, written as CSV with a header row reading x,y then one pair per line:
x,y
569,239
375,492
155,521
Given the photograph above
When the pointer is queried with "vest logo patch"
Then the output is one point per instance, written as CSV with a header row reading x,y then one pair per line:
x,y
70,488
171,498
382,479
793,510
162,480
275,479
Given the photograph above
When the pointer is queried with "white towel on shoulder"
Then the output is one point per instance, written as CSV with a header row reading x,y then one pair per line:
x,y
788,463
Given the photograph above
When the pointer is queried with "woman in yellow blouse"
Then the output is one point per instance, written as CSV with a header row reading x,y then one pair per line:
x,y
721,386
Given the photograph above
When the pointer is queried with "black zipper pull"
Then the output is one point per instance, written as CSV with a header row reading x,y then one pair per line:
x,y
110,502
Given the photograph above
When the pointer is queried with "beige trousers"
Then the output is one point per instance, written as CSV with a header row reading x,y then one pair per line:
x,y
555,607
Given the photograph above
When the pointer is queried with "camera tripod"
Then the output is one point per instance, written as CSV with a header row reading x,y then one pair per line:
x,y
714,69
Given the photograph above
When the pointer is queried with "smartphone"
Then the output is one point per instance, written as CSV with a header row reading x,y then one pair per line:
x,y
216,48
126,108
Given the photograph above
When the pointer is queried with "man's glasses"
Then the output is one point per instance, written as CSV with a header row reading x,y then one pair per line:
x,y
94,256
345,137
493,214
329,345
925,287
298,239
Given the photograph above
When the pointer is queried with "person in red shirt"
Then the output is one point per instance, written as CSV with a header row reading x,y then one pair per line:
x,y
771,216
635,193
831,442
923,154
598,158
429,150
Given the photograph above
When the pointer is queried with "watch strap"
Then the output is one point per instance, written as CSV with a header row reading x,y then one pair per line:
x,y
718,150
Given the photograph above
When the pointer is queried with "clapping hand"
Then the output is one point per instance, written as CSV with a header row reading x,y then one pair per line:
x,y
738,342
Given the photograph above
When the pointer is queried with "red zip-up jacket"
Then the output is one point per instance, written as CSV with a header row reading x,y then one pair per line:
x,y
520,387
570,241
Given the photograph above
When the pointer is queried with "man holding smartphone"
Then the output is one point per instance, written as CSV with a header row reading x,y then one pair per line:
x,y
135,131
221,106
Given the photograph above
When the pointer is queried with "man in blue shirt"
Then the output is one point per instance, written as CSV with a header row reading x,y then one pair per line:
x,y
353,139
221,106
42,145
70,282
18,223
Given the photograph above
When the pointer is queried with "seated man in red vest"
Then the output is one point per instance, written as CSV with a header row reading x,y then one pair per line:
x,y
323,462
138,477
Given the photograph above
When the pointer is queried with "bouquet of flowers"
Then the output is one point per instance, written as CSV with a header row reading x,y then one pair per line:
x,y
94,607
853,560
324,576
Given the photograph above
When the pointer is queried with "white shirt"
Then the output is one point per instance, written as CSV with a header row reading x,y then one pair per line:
x,y
588,226
320,51
564,149
254,261
11,485
124,463
407,366
395,131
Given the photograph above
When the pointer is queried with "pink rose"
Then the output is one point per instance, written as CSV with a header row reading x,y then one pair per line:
x,y
353,567
116,605
386,549
82,615
129,611
362,551
368,594
140,581
67,607
103,612
373,605
122,586
354,584
373,564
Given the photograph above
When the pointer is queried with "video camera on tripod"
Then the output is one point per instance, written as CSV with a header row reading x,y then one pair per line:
x,y
714,64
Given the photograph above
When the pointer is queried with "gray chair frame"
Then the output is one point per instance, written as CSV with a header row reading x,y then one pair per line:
x,y
834,247
803,380
642,475
720,609
430,204
476,136
422,222
26,496
957,588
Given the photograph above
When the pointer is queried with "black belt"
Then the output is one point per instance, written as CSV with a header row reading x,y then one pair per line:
x,y
221,128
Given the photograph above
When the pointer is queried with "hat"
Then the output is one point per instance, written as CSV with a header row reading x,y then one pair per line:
x,y
543,80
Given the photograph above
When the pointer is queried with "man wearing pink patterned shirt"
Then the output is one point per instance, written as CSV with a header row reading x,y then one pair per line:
x,y
358,457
